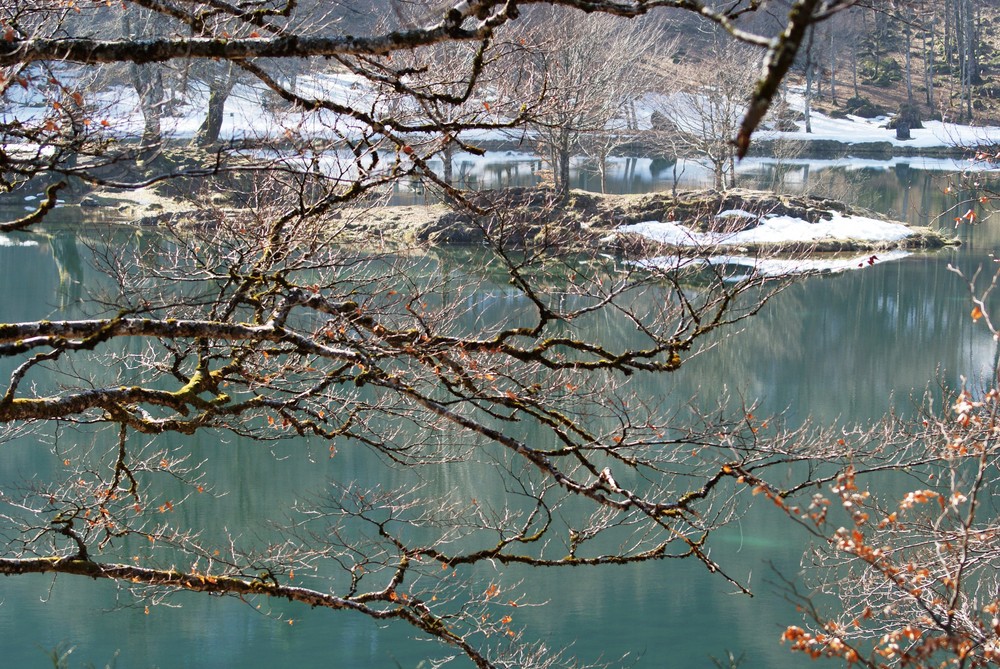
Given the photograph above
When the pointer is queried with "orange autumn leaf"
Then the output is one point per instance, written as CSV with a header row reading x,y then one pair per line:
x,y
977,313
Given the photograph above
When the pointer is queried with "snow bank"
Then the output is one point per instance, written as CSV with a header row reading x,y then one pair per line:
x,y
777,231
774,230
858,130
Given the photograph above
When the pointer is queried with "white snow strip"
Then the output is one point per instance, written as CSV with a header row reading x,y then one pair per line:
x,y
777,267
735,213
776,230
789,266
7,241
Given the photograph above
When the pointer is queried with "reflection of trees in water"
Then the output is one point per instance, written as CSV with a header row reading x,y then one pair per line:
x,y
899,191
32,289
841,347
69,265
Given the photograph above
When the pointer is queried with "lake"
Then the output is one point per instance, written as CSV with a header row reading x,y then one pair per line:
x,y
839,349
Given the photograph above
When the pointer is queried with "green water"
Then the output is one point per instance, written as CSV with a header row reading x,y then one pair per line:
x,y
840,348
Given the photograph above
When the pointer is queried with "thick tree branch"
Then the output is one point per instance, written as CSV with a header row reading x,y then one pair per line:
x,y
393,607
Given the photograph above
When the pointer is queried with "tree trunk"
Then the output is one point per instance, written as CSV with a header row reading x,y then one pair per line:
x,y
908,45
833,69
854,71
929,63
807,109
967,52
562,167
810,75
972,44
719,171
148,84
959,38
219,89
949,53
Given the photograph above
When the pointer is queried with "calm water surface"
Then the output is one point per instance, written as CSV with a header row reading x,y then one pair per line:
x,y
836,348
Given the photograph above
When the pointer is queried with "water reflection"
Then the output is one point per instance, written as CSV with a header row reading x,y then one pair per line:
x,y
909,189
837,348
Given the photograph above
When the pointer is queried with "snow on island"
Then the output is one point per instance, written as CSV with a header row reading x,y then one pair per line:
x,y
775,244
774,230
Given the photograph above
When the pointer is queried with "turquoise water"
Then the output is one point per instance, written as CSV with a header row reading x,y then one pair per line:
x,y
840,348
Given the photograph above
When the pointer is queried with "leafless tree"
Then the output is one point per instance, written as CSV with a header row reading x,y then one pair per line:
x,y
585,96
701,104
259,324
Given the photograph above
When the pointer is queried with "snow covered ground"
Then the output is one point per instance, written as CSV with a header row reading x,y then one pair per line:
x,y
857,130
776,230
773,230
252,113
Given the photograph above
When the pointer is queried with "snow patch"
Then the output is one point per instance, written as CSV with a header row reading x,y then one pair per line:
x,y
735,213
775,230
7,241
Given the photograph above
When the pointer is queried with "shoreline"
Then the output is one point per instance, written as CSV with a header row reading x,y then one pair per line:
x,y
535,218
